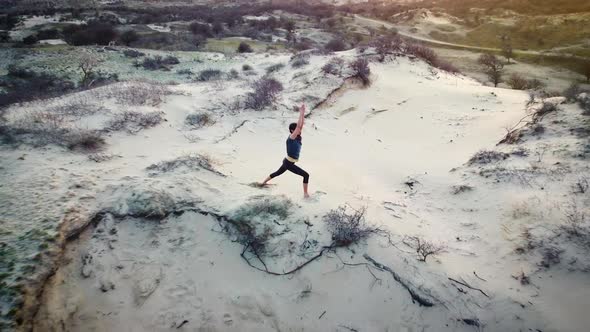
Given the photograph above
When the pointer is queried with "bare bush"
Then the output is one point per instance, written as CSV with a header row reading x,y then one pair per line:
x,y
209,75
135,93
199,120
493,67
84,140
40,128
131,53
458,189
360,70
133,122
423,247
299,60
571,92
88,64
576,222
274,68
535,84
517,82
486,156
265,93
335,45
75,108
159,63
333,67
387,45
584,103
233,74
545,109
348,228
447,66
550,256
249,223
422,52
582,185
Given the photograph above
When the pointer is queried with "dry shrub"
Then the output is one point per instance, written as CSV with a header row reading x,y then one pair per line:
x,y
299,60
75,108
199,120
550,256
458,189
545,109
486,156
447,66
250,223
576,224
134,93
422,52
84,140
41,128
517,82
386,45
572,92
159,63
191,161
535,84
274,68
335,45
584,103
333,67
265,93
133,122
209,75
582,185
360,70
423,248
131,53
348,228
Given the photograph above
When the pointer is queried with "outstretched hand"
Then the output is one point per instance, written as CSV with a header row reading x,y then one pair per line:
x,y
302,108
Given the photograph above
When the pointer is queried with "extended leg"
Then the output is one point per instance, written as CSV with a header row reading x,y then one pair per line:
x,y
280,171
299,171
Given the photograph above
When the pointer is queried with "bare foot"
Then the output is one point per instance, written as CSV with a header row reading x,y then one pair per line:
x,y
306,195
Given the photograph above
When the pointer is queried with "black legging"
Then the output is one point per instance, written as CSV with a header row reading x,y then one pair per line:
x,y
287,165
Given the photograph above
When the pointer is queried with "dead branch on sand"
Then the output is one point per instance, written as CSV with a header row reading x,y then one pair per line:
x,y
235,130
469,286
423,300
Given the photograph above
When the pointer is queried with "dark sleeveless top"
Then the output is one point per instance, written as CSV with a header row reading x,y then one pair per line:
x,y
294,147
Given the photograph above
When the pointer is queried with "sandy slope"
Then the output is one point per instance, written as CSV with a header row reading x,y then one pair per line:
x,y
414,124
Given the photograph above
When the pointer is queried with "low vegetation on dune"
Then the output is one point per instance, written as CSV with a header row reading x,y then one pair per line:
x,y
131,136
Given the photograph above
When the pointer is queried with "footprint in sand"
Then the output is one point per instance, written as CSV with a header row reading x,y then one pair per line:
x,y
315,197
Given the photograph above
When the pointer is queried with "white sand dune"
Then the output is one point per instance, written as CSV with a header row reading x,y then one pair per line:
x,y
414,125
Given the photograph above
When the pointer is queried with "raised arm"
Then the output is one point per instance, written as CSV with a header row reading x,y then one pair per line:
x,y
299,127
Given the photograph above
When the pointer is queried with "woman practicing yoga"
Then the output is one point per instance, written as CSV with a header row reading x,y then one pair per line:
x,y
293,149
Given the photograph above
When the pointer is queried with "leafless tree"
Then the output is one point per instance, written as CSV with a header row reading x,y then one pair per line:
x,y
423,248
507,50
88,64
493,67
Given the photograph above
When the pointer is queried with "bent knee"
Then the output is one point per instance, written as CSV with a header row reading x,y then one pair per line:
x,y
305,177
